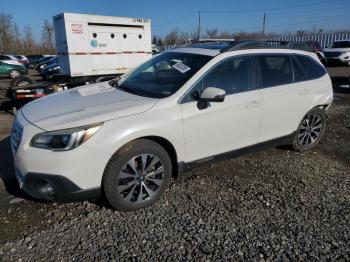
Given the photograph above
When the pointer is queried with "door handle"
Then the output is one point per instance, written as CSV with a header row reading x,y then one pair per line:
x,y
253,104
303,92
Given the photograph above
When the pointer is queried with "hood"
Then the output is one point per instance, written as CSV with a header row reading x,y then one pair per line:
x,y
84,105
51,65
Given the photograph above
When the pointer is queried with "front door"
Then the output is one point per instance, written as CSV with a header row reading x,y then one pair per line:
x,y
223,126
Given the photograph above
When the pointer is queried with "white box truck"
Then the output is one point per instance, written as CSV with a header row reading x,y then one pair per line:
x,y
90,48
93,46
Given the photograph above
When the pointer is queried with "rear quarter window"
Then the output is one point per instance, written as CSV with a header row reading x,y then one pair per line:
x,y
312,68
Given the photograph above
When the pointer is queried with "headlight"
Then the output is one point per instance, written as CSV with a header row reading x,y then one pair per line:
x,y
54,68
63,140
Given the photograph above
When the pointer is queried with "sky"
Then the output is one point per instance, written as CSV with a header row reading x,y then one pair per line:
x,y
229,15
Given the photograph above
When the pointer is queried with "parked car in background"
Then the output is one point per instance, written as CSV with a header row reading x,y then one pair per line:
x,y
317,49
40,66
33,59
338,52
311,46
12,71
9,59
49,70
43,59
23,60
126,138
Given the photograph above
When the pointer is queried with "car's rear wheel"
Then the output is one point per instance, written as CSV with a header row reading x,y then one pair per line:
x,y
310,130
137,175
14,74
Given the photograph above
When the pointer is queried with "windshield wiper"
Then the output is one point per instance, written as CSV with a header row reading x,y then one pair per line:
x,y
114,82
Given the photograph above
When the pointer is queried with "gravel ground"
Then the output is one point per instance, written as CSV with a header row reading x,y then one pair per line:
x,y
267,206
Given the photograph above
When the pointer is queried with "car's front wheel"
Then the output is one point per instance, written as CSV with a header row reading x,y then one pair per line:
x,y
137,175
14,74
310,130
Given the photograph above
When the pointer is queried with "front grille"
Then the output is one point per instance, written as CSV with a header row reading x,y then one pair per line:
x,y
16,135
332,54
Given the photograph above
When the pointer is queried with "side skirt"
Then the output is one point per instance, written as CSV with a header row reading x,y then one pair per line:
x,y
285,140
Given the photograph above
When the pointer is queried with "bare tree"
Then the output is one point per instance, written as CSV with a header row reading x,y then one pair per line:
x,y
7,33
28,40
47,37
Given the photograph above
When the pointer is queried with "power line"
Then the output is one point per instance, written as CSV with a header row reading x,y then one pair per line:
x,y
264,24
199,24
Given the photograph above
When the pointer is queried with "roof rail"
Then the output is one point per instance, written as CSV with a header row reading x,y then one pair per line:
x,y
266,44
222,40
226,45
210,41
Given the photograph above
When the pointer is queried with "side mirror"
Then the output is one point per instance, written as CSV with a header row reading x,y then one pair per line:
x,y
210,94
213,94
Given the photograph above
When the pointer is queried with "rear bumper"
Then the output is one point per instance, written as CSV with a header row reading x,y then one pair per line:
x,y
63,189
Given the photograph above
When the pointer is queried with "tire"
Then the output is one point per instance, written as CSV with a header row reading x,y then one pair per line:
x,y
125,177
310,130
21,81
14,74
3,93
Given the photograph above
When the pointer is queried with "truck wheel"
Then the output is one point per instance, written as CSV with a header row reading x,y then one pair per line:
x,y
21,81
14,74
310,130
137,175
3,92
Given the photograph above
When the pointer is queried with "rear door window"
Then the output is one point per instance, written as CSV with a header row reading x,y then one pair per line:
x,y
312,68
298,71
275,70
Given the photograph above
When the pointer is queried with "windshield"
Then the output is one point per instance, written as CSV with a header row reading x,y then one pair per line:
x,y
340,44
163,75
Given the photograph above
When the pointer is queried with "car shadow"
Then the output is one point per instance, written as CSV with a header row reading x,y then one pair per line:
x,y
7,172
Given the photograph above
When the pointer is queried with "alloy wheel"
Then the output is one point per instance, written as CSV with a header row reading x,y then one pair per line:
x,y
140,178
310,129
14,74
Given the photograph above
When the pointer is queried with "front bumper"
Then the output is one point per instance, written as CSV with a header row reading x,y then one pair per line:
x,y
62,189
72,175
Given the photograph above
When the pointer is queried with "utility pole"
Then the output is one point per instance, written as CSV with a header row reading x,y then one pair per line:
x,y
199,25
264,23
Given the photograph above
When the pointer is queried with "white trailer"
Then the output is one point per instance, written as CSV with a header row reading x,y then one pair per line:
x,y
91,46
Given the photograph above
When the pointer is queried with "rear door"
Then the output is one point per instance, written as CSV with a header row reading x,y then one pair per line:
x,y
281,108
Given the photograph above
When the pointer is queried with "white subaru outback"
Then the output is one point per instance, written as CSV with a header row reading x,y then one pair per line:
x,y
125,139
